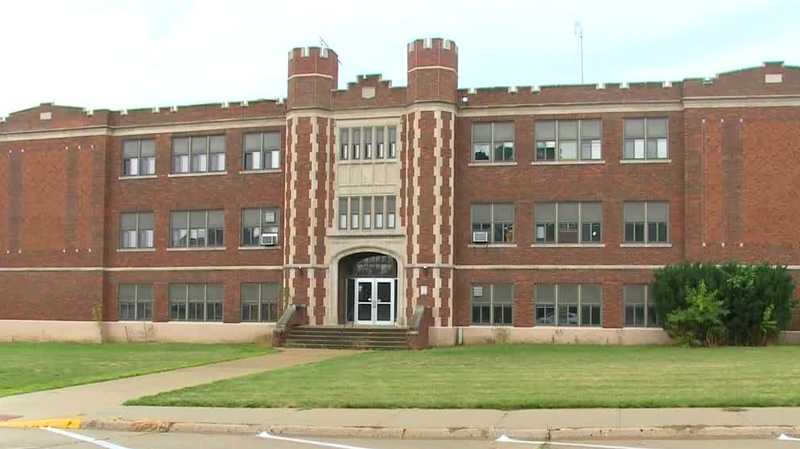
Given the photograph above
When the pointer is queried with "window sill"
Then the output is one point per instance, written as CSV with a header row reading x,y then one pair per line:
x,y
645,161
585,162
645,245
492,164
133,321
644,328
129,177
554,326
188,175
366,161
568,245
490,326
187,322
207,248
373,233
256,248
492,245
254,172
136,250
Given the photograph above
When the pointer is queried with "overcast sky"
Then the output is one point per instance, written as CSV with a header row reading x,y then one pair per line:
x,y
120,54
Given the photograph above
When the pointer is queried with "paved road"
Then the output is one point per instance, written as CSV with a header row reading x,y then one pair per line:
x,y
40,439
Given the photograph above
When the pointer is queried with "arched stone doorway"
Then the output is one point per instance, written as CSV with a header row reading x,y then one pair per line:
x,y
368,289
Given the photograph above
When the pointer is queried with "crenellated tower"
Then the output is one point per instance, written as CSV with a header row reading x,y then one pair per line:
x,y
313,75
428,133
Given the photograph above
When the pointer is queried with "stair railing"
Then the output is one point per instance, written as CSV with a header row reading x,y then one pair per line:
x,y
419,329
294,315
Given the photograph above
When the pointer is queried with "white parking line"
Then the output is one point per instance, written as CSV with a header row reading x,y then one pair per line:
x,y
85,439
507,439
784,437
269,436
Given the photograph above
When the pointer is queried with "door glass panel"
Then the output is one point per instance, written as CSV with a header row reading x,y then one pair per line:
x,y
364,307
384,301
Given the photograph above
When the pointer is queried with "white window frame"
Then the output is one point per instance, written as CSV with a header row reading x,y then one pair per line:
x,y
491,285
581,240
647,304
555,304
645,139
557,141
646,240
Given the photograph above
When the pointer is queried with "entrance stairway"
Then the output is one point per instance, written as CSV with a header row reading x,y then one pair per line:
x,y
339,337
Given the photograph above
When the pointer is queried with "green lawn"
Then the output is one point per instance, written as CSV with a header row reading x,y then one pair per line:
x,y
516,377
26,367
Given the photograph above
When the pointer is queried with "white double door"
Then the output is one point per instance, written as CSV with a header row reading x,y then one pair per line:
x,y
374,301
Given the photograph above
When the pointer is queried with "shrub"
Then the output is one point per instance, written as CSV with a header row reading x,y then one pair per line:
x,y
701,323
758,298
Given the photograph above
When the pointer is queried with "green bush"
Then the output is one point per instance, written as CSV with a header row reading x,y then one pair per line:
x,y
758,298
701,323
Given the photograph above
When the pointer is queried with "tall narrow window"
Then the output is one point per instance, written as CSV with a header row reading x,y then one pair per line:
x,y
139,157
217,153
180,155
355,143
135,302
367,143
646,222
646,138
342,213
392,131
568,140
355,206
366,212
390,212
136,230
380,147
378,212
344,148
544,215
545,298
591,222
257,222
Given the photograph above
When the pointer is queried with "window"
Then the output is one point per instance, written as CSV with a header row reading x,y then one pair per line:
x,y
639,308
492,304
260,301
368,143
198,229
135,302
646,222
199,154
392,131
139,157
136,230
492,142
262,151
646,138
569,305
568,222
495,219
258,221
568,140
195,302
367,212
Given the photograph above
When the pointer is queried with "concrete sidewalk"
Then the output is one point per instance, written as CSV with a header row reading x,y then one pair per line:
x,y
99,406
106,398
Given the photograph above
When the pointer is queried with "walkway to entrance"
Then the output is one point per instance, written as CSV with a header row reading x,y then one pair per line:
x,y
368,289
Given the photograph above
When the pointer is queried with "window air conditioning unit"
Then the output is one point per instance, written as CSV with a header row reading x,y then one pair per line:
x,y
480,237
269,239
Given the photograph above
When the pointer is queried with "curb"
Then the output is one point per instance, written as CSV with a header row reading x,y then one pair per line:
x,y
458,433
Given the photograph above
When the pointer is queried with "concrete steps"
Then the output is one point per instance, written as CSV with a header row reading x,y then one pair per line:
x,y
347,337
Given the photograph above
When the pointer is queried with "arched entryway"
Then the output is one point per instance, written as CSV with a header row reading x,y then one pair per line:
x,y
368,289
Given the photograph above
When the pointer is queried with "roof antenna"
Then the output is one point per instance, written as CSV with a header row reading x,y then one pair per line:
x,y
579,34
325,45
